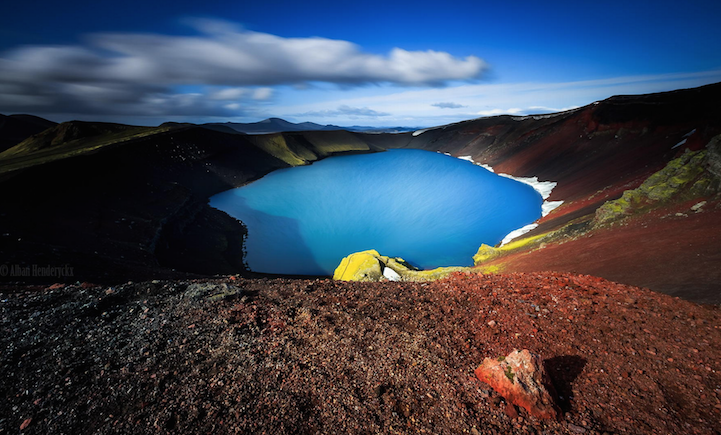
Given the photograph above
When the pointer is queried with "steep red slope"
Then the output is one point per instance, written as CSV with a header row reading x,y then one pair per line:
x,y
673,254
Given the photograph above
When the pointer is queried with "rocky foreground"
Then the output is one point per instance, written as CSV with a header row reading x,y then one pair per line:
x,y
274,356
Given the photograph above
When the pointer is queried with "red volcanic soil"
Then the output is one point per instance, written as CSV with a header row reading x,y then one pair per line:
x,y
278,356
668,250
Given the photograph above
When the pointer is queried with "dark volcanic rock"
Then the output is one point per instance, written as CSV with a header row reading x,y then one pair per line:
x,y
107,213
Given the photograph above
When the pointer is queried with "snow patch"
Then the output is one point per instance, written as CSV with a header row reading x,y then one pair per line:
x,y
420,132
470,159
534,117
516,233
685,138
545,116
679,144
391,274
542,187
549,206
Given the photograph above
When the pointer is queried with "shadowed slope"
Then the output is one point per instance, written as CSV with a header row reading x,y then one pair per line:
x,y
118,202
16,128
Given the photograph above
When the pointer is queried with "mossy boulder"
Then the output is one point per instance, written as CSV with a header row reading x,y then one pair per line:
x,y
485,253
360,266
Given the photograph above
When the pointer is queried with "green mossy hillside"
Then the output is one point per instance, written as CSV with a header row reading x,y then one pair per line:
x,y
298,149
683,178
71,139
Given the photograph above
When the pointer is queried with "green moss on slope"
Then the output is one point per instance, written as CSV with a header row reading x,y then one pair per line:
x,y
71,139
300,149
275,145
685,176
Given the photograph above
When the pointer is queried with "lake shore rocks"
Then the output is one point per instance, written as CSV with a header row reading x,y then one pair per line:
x,y
370,266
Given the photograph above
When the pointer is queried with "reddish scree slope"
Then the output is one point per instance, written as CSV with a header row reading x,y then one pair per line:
x,y
676,255
232,355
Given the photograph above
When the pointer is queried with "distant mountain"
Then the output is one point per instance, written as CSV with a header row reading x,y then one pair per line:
x,y
278,125
16,128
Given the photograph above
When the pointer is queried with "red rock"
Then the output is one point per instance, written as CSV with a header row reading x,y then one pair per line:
x,y
26,423
56,286
522,380
511,411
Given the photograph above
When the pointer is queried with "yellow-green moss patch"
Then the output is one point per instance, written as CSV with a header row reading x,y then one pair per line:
x,y
359,266
275,145
487,253
370,266
684,175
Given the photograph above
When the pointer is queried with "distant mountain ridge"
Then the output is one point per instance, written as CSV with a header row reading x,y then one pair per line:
x,y
16,128
279,125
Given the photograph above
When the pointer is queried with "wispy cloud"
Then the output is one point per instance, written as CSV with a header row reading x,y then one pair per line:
x,y
140,73
448,105
494,112
413,107
351,112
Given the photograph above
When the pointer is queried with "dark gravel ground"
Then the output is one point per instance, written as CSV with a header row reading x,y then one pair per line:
x,y
277,356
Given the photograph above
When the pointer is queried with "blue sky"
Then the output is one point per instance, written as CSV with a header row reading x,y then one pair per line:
x,y
378,63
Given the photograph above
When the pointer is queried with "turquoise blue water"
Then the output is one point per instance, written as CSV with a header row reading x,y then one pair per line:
x,y
431,209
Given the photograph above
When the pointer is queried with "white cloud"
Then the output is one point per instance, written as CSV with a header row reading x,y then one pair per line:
x,y
262,93
495,112
229,94
413,107
228,56
448,105
344,110
132,70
